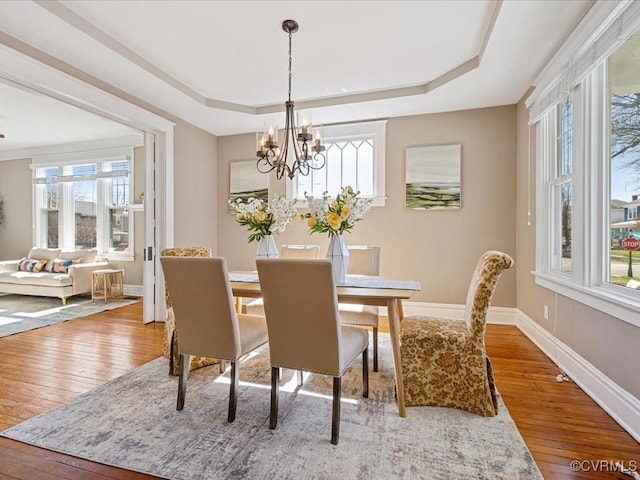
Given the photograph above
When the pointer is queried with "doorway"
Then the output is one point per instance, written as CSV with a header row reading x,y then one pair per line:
x,y
158,157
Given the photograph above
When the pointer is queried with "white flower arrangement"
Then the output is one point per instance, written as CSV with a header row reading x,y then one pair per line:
x,y
336,215
264,219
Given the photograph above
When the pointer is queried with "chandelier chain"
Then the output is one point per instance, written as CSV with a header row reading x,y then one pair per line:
x,y
290,33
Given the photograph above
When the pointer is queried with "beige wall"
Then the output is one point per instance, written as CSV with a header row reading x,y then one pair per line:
x,y
195,187
610,344
15,187
437,248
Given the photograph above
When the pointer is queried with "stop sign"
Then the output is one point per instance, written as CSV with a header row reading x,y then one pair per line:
x,y
630,243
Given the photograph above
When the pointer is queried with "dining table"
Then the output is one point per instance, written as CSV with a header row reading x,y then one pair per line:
x,y
358,289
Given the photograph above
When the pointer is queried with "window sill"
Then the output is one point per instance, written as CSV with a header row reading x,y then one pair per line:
x,y
608,299
119,258
375,202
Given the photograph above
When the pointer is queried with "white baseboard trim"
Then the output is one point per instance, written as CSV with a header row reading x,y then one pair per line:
x,y
133,290
623,407
498,315
617,402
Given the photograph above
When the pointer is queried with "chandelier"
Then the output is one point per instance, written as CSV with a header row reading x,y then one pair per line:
x,y
294,154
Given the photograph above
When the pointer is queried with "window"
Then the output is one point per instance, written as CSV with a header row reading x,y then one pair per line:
x,y
588,188
560,183
82,201
623,80
355,155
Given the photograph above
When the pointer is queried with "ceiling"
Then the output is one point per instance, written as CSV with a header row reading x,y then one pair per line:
x,y
222,65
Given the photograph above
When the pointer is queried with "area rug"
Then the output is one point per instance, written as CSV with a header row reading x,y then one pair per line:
x,y
19,313
132,422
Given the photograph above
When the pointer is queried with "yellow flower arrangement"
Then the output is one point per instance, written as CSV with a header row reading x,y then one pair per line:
x,y
336,215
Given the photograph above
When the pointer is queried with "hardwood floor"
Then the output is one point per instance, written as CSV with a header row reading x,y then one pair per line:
x,y
48,367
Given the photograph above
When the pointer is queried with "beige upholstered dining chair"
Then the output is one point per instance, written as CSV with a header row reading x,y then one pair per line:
x,y
304,326
256,307
444,362
299,251
363,260
206,318
170,343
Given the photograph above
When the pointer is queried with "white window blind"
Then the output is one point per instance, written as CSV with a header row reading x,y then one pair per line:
x,y
605,27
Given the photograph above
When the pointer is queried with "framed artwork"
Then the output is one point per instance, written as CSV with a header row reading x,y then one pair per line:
x,y
432,177
245,181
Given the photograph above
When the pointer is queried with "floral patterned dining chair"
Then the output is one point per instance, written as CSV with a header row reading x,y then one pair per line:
x,y
444,362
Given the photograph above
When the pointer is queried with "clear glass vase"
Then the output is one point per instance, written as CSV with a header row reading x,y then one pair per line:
x,y
338,253
267,247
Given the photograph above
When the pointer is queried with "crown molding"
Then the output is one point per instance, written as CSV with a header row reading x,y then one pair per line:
x,y
69,16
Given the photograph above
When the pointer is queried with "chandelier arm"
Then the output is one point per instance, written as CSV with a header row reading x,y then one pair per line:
x,y
264,165
291,134
304,168
317,157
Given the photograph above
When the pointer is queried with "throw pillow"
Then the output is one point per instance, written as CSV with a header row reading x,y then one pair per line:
x,y
31,265
58,265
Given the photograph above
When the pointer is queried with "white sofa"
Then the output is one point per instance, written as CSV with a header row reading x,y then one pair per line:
x,y
56,273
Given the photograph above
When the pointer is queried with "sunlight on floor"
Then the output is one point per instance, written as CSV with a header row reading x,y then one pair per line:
x,y
289,386
8,320
43,313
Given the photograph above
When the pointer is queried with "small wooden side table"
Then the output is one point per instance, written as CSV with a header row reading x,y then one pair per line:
x,y
107,283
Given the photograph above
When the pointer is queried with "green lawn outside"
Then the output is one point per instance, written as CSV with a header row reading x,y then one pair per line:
x,y
623,256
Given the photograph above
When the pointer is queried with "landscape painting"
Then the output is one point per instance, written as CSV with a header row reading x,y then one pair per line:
x,y
433,177
245,181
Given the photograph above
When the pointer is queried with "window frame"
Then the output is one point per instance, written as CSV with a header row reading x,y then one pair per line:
x,y
65,200
588,281
376,130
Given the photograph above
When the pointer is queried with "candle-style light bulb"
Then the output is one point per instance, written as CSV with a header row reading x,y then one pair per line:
x,y
305,121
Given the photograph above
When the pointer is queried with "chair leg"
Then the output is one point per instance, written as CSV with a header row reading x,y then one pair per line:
x,y
335,414
233,391
275,389
365,373
222,366
185,360
375,349
300,378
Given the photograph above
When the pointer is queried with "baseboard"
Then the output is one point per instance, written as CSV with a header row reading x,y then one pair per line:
x,y
617,402
133,290
497,315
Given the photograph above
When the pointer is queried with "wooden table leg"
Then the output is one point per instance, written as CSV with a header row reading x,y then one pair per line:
x,y
238,304
394,307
